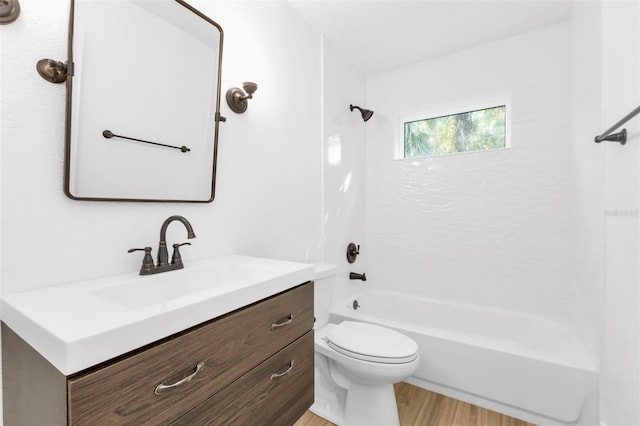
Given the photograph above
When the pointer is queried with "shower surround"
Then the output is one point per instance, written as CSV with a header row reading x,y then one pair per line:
x,y
489,228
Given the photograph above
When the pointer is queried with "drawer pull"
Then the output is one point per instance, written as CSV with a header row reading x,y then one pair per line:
x,y
187,379
287,371
282,324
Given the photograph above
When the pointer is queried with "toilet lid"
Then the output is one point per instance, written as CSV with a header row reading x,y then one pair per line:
x,y
372,343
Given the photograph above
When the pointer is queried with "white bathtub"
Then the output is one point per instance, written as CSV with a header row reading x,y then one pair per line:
x,y
522,365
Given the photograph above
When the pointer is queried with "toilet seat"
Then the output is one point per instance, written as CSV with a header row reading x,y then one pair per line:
x,y
371,343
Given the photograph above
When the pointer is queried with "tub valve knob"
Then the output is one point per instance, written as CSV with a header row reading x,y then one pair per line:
x,y
352,252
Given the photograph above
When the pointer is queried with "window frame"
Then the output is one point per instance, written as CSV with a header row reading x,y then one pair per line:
x,y
454,109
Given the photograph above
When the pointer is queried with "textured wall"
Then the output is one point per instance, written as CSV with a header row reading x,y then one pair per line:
x,y
488,228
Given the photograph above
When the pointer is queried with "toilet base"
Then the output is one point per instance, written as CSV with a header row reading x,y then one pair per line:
x,y
364,406
329,399
371,406
329,406
347,403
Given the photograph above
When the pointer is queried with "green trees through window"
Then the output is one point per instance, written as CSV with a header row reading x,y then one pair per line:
x,y
477,130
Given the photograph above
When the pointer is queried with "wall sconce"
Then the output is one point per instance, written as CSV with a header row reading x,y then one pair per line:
x,y
9,11
237,99
53,71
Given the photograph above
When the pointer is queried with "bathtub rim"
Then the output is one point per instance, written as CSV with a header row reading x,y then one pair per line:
x,y
579,358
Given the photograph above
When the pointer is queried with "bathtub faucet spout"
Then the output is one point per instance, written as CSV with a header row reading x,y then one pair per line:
x,y
356,276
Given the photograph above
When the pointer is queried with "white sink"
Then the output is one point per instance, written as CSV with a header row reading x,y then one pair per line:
x,y
78,325
175,286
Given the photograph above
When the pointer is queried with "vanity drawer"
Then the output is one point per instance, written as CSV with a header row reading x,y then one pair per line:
x,y
259,398
123,392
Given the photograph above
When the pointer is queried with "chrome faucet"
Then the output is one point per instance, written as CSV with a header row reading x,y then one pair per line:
x,y
163,264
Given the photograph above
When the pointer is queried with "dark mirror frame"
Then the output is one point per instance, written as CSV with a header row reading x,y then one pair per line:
x,y
69,85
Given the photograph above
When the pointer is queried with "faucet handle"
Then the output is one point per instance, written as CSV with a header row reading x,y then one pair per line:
x,y
176,258
147,261
352,252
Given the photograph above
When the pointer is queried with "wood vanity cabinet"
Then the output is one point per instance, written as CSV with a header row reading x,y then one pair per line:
x,y
257,368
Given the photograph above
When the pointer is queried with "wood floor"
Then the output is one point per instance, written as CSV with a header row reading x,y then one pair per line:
x,y
419,407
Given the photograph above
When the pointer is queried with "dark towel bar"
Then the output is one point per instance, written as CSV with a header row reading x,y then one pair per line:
x,y
620,136
109,134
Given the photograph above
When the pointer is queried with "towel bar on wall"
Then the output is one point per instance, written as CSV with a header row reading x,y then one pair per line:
x,y
109,134
621,136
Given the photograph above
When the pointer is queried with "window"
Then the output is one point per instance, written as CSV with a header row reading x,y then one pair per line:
x,y
477,130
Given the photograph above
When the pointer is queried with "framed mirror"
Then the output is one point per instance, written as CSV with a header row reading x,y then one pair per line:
x,y
143,101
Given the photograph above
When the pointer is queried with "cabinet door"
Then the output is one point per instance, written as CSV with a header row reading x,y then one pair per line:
x,y
123,392
276,392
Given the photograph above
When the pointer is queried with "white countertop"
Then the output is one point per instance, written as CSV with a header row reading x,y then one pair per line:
x,y
78,325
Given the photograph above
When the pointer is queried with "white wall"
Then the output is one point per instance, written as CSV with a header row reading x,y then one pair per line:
x,y
268,191
620,369
587,173
343,168
488,228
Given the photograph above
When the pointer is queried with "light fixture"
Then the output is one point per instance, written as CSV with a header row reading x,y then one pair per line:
x,y
53,71
237,99
9,11
366,113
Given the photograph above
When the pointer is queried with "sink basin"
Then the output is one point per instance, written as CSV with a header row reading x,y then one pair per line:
x,y
176,286
78,325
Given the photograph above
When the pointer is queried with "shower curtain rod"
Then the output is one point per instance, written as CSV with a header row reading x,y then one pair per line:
x,y
620,136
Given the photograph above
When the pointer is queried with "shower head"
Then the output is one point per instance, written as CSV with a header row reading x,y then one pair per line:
x,y
366,113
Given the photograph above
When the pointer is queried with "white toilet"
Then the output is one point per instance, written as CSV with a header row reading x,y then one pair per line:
x,y
356,364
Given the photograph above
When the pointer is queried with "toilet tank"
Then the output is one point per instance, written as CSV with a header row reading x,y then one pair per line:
x,y
323,290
